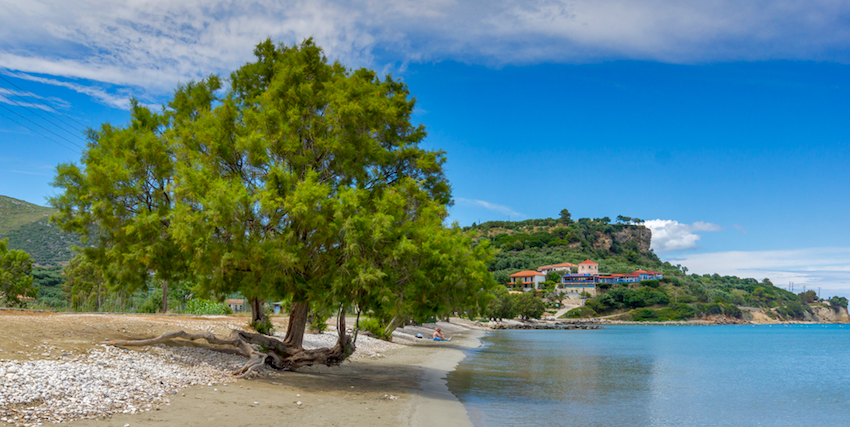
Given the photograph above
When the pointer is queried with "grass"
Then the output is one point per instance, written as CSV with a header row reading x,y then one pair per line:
x,y
15,213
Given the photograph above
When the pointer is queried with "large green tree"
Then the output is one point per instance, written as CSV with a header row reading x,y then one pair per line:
x,y
15,276
304,180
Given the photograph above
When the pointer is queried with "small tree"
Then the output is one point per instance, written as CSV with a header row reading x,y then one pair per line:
x,y
837,302
807,297
529,305
502,306
566,217
15,276
553,276
84,283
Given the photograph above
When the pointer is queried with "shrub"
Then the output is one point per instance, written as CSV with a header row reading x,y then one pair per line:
x,y
375,327
579,312
264,326
202,306
319,322
643,314
732,310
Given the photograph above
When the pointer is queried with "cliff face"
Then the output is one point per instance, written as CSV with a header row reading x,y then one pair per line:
x,y
830,315
640,235
820,314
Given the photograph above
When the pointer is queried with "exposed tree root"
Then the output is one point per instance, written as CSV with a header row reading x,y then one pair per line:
x,y
261,349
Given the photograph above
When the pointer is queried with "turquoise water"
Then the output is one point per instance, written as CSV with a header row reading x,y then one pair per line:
x,y
659,376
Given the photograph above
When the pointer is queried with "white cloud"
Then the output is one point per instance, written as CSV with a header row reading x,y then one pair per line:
x,y
491,206
113,100
828,268
154,44
670,236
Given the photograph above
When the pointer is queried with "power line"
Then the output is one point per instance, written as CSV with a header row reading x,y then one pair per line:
x,y
27,119
39,133
38,98
33,110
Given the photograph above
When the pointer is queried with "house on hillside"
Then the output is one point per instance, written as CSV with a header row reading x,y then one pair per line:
x,y
648,275
528,280
584,281
588,267
564,266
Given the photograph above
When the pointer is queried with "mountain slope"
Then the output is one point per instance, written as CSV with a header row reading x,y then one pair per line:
x,y
27,227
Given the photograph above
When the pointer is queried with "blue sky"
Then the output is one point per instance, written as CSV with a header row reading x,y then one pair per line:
x,y
721,124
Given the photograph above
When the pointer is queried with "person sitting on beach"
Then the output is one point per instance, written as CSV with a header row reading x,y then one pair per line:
x,y
438,335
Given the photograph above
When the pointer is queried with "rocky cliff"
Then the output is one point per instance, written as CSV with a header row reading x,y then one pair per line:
x,y
641,236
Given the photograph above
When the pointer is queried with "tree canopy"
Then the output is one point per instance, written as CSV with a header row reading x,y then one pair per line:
x,y
304,180
15,276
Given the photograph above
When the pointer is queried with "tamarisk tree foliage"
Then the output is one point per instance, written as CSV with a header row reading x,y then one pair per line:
x,y
303,181
15,276
120,202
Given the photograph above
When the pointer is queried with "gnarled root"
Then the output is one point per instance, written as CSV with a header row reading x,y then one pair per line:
x,y
259,349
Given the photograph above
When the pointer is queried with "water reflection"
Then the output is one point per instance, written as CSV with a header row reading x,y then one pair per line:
x,y
661,376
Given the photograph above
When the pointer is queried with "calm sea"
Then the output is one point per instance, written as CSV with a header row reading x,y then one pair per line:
x,y
659,376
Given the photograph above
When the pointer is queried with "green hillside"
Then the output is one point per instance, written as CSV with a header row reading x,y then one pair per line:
x,y
624,248
27,227
14,213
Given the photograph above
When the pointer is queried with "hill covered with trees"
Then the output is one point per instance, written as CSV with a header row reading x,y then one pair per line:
x,y
622,247
27,227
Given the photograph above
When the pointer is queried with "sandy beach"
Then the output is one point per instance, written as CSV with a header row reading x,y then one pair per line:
x,y
404,385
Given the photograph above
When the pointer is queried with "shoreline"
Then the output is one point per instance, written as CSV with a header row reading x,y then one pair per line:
x,y
436,405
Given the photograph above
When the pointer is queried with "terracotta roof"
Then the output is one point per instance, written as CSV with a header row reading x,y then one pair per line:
x,y
587,261
527,273
563,264
235,301
647,272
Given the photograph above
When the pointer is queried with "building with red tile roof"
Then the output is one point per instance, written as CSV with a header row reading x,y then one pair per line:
x,y
527,279
588,267
564,266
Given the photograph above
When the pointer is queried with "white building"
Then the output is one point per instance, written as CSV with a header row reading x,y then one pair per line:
x,y
528,279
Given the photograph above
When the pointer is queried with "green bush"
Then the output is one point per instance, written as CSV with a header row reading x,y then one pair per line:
x,y
579,312
375,327
643,314
264,326
732,310
319,322
201,306
673,312
651,283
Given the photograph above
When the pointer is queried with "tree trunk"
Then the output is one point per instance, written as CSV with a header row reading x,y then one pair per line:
x,y
165,296
388,331
257,314
297,324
